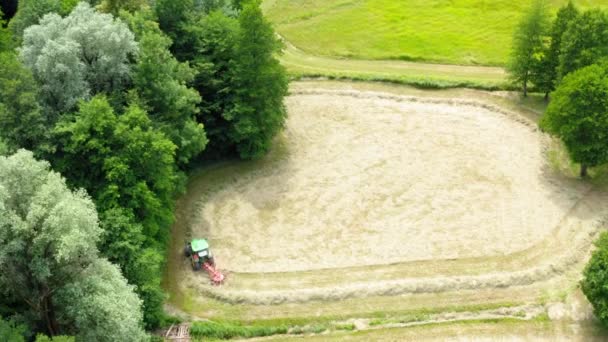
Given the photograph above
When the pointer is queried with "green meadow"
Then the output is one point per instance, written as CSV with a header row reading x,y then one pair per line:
x,y
469,32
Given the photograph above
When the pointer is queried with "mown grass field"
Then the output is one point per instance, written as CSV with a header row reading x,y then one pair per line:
x,y
483,313
469,32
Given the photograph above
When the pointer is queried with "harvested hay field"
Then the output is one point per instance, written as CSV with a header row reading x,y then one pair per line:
x,y
372,194
366,179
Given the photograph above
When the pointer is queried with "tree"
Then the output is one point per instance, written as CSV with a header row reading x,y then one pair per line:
x,y
528,44
565,15
596,278
21,118
4,150
11,331
6,39
44,338
121,160
128,167
79,56
114,6
241,83
68,5
585,41
212,50
578,115
540,72
257,112
49,259
99,305
173,15
238,4
161,83
29,12
124,244
209,6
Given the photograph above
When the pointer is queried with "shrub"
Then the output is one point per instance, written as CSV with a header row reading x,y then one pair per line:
x,y
595,283
227,330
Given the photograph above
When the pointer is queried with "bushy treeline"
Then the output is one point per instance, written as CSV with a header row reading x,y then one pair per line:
x,y
543,50
569,59
121,97
240,82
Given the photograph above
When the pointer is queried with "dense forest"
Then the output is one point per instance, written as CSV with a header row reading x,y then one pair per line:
x,y
104,108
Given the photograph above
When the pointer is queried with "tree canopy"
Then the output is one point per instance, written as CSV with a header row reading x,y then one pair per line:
x,y
21,117
10,331
565,15
29,12
241,82
117,96
76,57
161,83
6,39
49,260
584,42
128,167
545,69
528,44
173,15
115,6
578,115
211,50
596,278
127,163
257,112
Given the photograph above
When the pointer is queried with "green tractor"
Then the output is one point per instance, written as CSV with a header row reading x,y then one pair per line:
x,y
200,257
198,252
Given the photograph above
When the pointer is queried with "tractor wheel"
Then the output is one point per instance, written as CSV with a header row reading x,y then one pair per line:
x,y
187,251
211,261
196,266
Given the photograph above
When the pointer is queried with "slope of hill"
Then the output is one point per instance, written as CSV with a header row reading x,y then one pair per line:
x,y
443,31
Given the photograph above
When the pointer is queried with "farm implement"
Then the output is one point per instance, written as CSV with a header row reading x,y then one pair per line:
x,y
201,258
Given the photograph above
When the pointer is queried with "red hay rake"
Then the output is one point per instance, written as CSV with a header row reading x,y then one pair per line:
x,y
217,277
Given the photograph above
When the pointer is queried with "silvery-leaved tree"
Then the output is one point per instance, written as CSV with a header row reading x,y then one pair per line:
x,y
76,57
50,269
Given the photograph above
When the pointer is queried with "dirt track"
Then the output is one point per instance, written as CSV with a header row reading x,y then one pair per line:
x,y
438,194
301,63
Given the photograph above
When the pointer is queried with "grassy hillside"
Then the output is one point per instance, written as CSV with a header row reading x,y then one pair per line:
x,y
446,31
422,75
